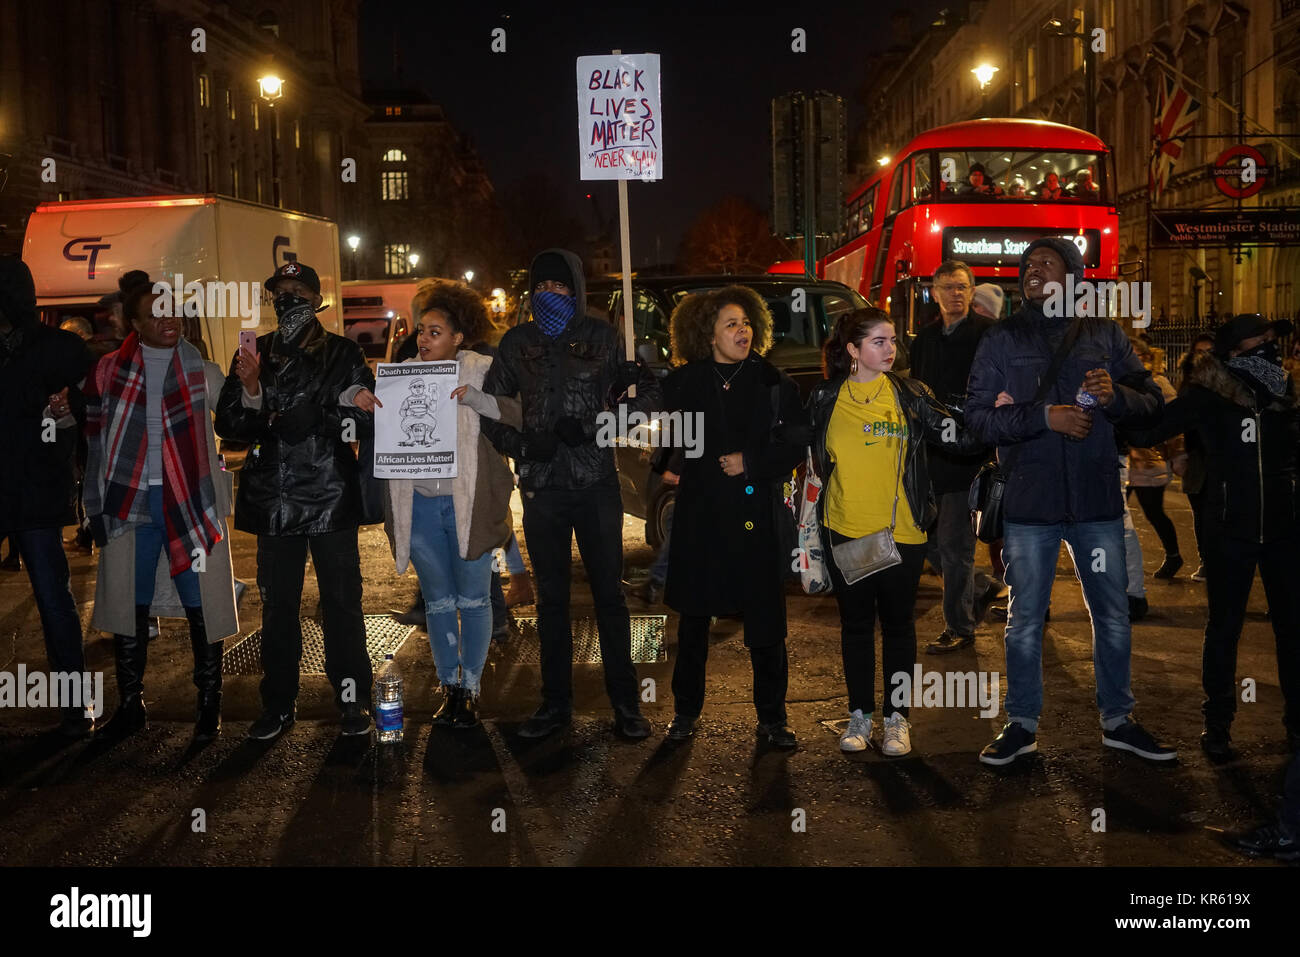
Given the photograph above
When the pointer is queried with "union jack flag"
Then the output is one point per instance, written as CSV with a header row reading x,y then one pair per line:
x,y
1176,111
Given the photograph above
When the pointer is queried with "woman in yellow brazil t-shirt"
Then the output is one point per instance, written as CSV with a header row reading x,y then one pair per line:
x,y
870,428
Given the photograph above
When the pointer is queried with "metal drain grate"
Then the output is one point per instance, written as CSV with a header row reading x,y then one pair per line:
x,y
647,640
383,636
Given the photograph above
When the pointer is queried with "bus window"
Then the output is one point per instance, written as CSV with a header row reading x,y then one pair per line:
x,y
898,194
921,178
1023,175
868,208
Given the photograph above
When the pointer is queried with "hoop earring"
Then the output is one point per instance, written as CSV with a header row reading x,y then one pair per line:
x,y
853,367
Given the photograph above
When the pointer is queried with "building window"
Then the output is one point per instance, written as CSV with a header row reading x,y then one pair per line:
x,y
230,105
297,136
207,173
1031,78
393,185
205,91
396,259
257,116
234,180
392,111
257,180
395,156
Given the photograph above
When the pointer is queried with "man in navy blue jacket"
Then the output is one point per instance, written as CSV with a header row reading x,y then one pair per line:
x,y
1063,485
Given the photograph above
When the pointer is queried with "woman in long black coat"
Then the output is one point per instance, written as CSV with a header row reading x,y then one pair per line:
x,y
726,557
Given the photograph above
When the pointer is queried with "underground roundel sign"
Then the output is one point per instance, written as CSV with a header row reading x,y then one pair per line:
x,y
1239,171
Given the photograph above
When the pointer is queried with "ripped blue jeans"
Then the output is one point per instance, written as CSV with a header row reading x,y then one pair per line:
x,y
451,584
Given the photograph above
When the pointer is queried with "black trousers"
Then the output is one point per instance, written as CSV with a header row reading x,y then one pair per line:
x,y
1230,572
770,664
891,595
281,565
552,518
1152,500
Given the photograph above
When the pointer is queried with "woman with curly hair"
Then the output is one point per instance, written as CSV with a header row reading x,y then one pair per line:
x,y
449,528
870,428
725,558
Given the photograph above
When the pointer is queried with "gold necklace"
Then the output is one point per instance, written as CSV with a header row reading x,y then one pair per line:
x,y
884,383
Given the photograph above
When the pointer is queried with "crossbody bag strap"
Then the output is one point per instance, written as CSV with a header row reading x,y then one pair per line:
x,y
1054,367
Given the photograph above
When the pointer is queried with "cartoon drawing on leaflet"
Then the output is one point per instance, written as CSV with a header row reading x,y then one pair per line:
x,y
417,414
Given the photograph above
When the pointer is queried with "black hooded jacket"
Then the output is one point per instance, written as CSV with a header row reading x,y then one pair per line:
x,y
36,480
1250,440
574,375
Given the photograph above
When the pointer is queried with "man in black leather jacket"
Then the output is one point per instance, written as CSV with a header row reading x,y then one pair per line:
x,y
300,402
567,368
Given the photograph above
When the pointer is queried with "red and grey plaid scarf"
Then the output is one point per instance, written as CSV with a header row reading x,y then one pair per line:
x,y
118,440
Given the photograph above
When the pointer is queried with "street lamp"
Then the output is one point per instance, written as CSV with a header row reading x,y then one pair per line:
x,y
413,259
271,88
353,242
984,73
469,275
1057,27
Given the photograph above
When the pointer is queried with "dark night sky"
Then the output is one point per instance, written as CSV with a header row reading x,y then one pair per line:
x,y
720,72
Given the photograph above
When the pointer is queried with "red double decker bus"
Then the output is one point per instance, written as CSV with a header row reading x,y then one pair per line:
x,y
979,191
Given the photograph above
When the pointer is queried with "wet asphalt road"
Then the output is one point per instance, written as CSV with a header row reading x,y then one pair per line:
x,y
489,797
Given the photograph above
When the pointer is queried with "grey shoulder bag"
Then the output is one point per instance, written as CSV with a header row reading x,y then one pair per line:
x,y
863,557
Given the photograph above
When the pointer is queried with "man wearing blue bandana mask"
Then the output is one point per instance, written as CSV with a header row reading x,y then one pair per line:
x,y
567,368
292,400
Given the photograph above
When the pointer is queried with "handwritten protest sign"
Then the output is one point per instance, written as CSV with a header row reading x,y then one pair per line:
x,y
415,430
620,133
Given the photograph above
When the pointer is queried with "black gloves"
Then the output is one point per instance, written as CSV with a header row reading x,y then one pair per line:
x,y
629,374
570,430
298,423
539,446
98,530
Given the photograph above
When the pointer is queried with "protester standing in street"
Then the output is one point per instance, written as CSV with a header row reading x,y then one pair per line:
x,y
300,400
1063,485
726,556
567,368
870,430
942,353
157,499
1242,406
1149,470
449,528
40,366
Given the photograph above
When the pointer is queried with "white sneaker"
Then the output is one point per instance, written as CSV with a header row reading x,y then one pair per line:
x,y
898,736
857,736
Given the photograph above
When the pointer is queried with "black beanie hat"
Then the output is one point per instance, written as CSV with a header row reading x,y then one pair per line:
x,y
17,291
551,265
1064,248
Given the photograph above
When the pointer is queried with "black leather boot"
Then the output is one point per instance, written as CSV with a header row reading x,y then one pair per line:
x,y
207,677
450,705
130,653
466,714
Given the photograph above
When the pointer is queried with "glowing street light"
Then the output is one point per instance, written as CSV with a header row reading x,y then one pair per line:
x,y
984,73
469,275
354,241
271,88
413,259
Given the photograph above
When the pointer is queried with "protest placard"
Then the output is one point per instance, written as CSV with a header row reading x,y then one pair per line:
x,y
415,429
620,130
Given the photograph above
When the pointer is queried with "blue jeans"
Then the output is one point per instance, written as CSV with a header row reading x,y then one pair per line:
x,y
1030,553
450,583
150,540
514,560
47,568
659,567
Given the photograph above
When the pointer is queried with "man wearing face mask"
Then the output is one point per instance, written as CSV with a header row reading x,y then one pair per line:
x,y
567,368
293,401
1241,405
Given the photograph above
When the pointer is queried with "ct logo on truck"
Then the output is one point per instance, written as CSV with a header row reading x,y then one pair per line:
x,y
92,246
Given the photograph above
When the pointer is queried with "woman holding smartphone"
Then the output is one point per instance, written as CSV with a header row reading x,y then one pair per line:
x,y
449,528
870,426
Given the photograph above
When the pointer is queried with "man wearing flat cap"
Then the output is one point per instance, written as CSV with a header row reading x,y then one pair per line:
x,y
292,401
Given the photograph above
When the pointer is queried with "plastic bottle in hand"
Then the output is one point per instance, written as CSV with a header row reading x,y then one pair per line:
x,y
1085,401
387,699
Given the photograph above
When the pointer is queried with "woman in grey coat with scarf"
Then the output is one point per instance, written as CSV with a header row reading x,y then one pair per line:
x,y
157,500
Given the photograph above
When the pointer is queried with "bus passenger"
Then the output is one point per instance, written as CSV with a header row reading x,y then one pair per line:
x,y
977,181
1050,187
1083,186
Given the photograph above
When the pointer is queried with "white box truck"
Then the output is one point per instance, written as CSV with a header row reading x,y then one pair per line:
x,y
78,249
377,315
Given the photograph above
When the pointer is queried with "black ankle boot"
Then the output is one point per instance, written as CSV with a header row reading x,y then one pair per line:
x,y
207,677
130,653
451,695
466,715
